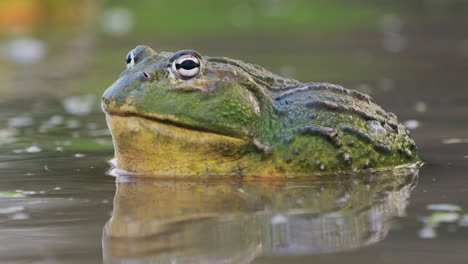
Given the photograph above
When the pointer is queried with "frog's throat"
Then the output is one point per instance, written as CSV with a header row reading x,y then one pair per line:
x,y
146,145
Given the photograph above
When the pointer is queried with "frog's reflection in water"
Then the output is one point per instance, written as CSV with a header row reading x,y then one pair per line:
x,y
235,222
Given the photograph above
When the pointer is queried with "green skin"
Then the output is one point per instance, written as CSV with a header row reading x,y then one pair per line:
x,y
299,127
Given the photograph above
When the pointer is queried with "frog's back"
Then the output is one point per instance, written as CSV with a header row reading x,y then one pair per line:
x,y
327,127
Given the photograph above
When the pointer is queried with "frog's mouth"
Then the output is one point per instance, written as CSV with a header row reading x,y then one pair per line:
x,y
167,127
170,123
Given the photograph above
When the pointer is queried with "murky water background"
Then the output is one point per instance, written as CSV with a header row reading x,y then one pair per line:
x,y
58,205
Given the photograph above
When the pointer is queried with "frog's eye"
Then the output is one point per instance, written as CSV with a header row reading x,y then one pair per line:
x,y
186,66
130,59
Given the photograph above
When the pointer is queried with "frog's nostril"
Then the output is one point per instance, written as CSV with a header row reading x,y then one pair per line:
x,y
144,76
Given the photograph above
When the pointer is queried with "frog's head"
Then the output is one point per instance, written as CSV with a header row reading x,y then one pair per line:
x,y
187,90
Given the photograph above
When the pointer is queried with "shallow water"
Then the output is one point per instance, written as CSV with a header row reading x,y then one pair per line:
x,y
58,204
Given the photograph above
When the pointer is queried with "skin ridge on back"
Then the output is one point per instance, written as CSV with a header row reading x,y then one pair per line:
x,y
307,113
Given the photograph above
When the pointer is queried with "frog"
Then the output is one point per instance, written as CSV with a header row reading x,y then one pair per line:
x,y
187,115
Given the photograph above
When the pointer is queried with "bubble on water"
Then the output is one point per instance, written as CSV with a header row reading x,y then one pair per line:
x,y
79,155
20,121
242,15
79,105
420,107
117,21
443,207
33,149
279,219
24,50
11,209
58,149
411,124
57,188
427,233
455,141
20,216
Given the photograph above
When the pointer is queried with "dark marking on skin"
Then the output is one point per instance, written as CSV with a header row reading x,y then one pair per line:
x,y
349,109
328,133
359,133
324,87
406,153
382,148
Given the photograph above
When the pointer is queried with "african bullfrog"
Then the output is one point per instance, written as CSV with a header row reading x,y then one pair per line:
x,y
186,114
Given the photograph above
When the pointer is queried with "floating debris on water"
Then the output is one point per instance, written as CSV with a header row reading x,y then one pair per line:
x,y
53,121
427,233
444,213
33,149
7,133
442,217
279,219
20,216
464,221
79,105
11,195
420,107
20,121
411,124
444,207
25,50
11,209
455,141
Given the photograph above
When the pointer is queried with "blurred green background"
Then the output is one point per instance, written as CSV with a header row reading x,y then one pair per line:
x,y
63,47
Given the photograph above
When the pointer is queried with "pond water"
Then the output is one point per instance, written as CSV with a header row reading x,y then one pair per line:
x,y
58,204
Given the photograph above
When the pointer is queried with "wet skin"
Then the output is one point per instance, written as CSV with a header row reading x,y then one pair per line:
x,y
184,114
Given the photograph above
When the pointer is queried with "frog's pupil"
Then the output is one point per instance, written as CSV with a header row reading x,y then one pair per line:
x,y
187,65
